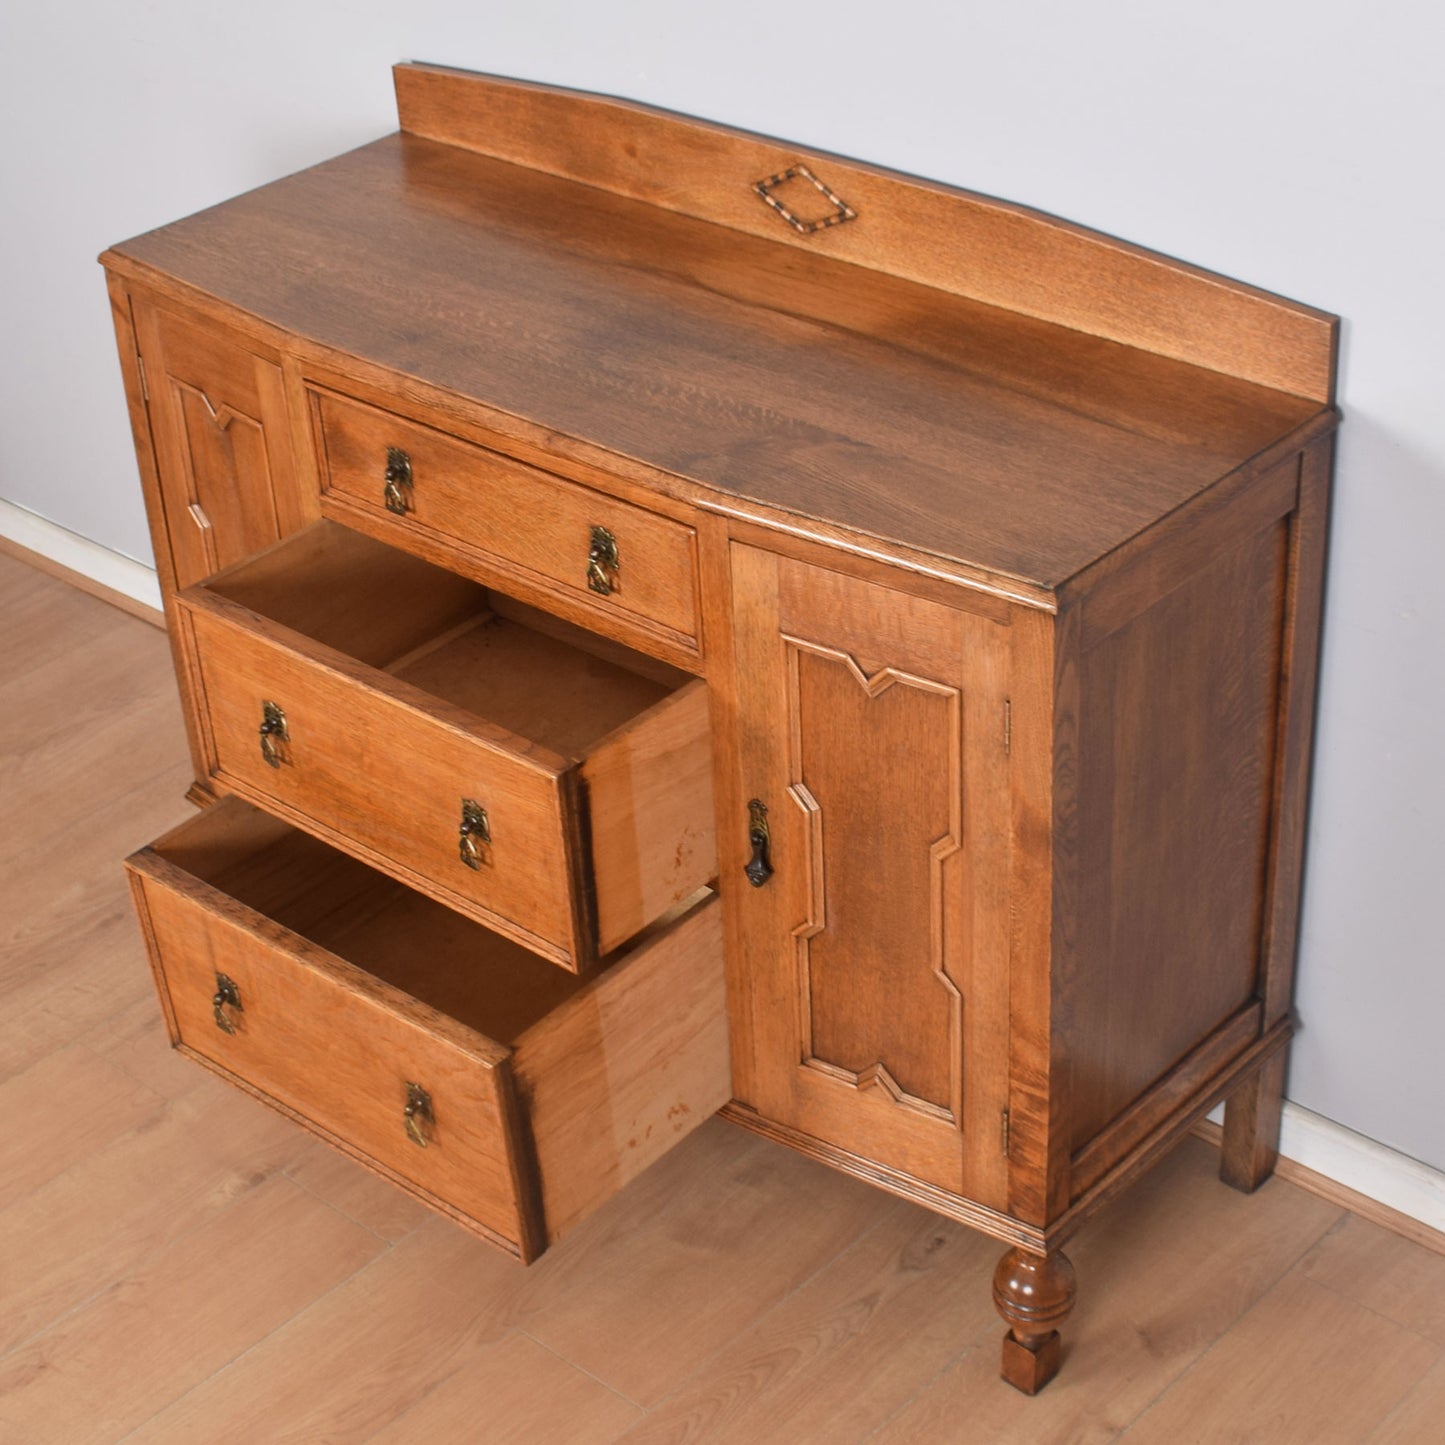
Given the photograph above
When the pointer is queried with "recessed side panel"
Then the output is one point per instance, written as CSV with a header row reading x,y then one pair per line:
x,y
1178,707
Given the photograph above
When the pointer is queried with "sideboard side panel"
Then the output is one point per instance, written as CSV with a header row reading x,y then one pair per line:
x,y
122,311
1178,713
1308,542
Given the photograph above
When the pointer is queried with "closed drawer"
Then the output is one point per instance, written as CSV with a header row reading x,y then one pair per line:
x,y
511,1096
512,525
550,784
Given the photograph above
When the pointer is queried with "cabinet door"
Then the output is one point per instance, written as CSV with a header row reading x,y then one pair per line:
x,y
222,443
871,986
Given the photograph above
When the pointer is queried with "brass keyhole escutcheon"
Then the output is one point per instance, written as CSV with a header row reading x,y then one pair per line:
x,y
420,1121
603,563
474,836
274,735
226,998
758,869
396,482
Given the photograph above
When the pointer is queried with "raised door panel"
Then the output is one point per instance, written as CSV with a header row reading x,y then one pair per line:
x,y
222,442
872,727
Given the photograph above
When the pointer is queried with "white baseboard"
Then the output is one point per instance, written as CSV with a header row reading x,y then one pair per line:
x,y
1360,1164
79,554
1382,1174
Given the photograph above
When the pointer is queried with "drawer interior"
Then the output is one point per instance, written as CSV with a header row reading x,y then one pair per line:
x,y
533,675
439,957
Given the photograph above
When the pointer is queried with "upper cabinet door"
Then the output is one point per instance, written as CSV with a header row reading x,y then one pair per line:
x,y
872,986
222,442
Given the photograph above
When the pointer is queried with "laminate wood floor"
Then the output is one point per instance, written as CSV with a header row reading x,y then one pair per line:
x,y
178,1264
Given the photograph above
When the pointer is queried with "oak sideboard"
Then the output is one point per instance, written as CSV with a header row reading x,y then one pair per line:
x,y
669,621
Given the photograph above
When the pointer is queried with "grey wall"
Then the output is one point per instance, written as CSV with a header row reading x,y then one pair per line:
x,y
1291,144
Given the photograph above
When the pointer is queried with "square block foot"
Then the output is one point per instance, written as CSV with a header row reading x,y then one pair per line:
x,y
1030,1370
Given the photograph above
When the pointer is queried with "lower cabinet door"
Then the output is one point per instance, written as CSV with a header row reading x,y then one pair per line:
x,y
505,1093
870,1005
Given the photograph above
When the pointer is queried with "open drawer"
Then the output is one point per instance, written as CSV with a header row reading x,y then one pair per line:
x,y
509,1095
547,782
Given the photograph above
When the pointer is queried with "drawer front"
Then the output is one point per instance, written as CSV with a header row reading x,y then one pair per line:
x,y
340,1050
386,779
513,525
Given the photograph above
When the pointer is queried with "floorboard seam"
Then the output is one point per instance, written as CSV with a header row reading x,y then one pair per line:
x,y
759,1319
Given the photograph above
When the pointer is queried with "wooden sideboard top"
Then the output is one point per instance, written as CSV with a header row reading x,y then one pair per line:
x,y
813,376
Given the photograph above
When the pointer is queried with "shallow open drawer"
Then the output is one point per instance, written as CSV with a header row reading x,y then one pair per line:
x,y
512,1096
623,569
551,784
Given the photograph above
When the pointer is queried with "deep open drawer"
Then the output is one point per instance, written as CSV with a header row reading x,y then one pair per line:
x,y
510,1095
549,783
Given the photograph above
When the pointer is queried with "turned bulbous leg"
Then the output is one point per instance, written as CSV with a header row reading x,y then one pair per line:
x,y
1035,1294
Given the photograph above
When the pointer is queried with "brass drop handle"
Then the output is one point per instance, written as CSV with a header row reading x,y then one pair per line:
x,y
418,1112
474,837
273,733
396,489
603,563
226,996
759,870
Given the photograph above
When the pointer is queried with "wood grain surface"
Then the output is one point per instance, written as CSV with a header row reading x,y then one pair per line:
x,y
326,1040
627,1068
610,328
1134,448
1176,759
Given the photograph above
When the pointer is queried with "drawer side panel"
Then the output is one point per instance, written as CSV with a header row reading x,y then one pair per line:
x,y
650,800
627,1070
